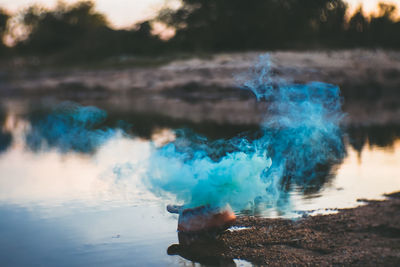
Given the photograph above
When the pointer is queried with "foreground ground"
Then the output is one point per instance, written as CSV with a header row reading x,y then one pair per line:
x,y
368,235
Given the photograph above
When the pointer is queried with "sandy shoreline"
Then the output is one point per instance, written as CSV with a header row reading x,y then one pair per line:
x,y
368,235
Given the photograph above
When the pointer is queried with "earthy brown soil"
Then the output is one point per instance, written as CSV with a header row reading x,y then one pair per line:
x,y
368,235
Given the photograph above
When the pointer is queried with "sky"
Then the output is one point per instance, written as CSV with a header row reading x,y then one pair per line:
x,y
121,13
124,13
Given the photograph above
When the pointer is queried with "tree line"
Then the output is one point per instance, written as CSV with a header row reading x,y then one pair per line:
x,y
78,32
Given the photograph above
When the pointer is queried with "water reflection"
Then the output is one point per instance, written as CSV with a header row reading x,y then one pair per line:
x,y
122,236
383,136
368,175
5,136
50,178
89,206
73,129
105,165
201,248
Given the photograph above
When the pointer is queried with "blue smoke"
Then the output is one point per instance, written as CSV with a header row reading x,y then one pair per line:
x,y
299,141
302,125
301,138
70,127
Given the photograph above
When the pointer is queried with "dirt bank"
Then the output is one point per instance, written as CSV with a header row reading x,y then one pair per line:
x,y
368,235
345,68
205,89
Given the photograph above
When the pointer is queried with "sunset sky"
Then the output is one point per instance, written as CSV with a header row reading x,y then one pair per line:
x,y
123,13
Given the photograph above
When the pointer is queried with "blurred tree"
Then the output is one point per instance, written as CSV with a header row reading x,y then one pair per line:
x,y
4,16
53,30
332,19
239,24
107,42
358,28
384,31
78,32
3,21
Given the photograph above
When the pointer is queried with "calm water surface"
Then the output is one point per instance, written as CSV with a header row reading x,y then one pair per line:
x,y
72,209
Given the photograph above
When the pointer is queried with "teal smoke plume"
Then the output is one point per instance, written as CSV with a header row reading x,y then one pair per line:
x,y
70,127
300,139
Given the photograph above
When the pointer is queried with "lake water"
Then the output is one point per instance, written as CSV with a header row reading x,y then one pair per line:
x,y
68,208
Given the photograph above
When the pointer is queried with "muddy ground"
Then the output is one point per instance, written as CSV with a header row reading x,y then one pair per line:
x,y
368,235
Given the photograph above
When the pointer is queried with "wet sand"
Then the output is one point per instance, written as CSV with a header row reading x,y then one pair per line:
x,y
368,235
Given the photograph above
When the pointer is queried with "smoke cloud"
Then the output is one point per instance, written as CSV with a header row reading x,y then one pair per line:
x,y
300,139
70,127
